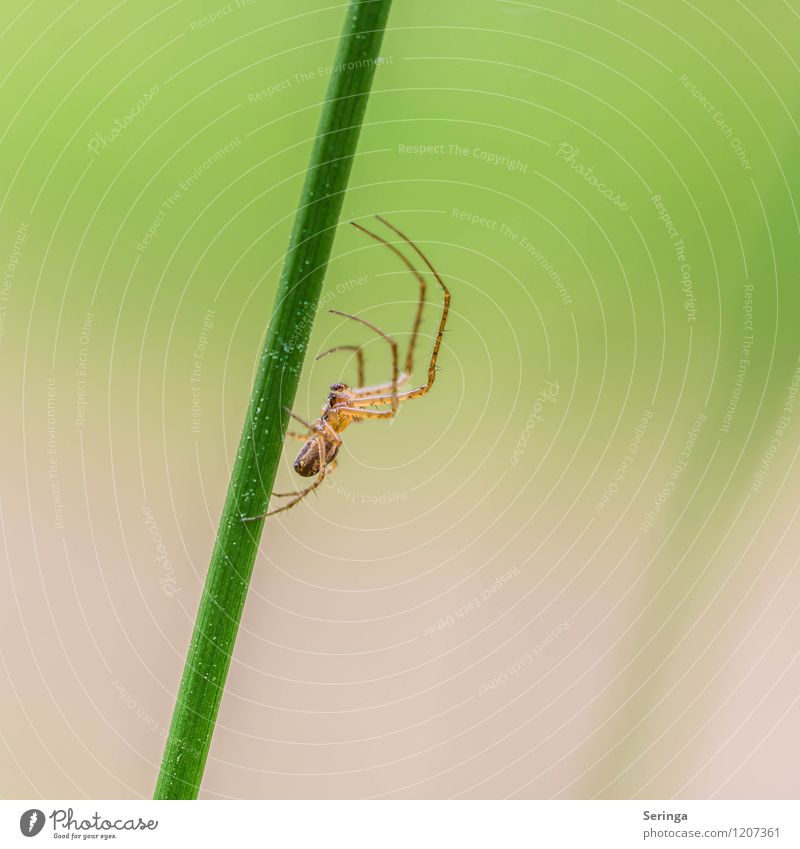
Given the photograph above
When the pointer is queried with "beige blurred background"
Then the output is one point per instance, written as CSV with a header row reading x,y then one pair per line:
x,y
571,570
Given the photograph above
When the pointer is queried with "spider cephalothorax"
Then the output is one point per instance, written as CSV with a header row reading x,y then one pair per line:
x,y
340,394
322,438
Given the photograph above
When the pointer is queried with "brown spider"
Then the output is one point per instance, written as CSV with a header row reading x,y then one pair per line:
x,y
345,404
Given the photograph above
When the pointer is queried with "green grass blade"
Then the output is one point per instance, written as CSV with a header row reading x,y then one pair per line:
x,y
264,430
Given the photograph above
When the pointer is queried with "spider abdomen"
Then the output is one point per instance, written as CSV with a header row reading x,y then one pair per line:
x,y
307,461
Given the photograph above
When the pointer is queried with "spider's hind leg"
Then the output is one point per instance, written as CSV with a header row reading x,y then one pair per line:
x,y
299,496
325,468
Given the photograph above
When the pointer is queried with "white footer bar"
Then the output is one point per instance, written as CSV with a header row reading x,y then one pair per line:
x,y
389,824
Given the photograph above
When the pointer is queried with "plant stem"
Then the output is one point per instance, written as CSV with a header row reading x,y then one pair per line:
x,y
274,390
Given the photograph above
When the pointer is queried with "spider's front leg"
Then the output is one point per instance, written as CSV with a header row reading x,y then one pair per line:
x,y
357,413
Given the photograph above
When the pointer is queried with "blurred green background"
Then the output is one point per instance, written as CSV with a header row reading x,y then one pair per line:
x,y
570,570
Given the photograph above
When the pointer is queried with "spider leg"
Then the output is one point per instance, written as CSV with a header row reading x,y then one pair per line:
x,y
326,470
422,390
373,400
317,428
359,358
288,494
357,413
299,496
409,364
380,387
300,436
308,426
392,344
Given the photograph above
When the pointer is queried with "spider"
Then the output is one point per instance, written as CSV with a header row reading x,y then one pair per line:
x,y
345,405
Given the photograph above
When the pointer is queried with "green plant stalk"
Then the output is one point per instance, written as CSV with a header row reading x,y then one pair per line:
x,y
274,390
